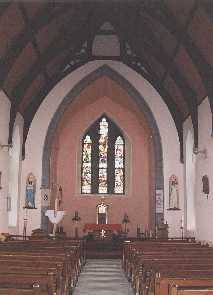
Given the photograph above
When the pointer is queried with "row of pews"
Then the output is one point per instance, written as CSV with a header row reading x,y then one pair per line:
x,y
40,267
169,267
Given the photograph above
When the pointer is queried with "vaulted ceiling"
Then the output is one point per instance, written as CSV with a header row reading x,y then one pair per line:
x,y
169,42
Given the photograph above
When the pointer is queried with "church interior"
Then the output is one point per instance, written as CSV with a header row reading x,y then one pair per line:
x,y
106,147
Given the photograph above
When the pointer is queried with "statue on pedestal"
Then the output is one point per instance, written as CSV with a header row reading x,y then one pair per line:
x,y
30,192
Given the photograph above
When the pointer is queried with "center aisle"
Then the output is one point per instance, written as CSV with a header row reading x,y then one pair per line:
x,y
103,277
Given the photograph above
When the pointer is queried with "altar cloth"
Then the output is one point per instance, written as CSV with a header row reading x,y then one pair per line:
x,y
94,226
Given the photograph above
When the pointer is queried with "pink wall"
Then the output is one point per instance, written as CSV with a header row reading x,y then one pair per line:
x,y
104,96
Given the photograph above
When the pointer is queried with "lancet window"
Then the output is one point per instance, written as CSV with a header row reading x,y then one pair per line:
x,y
103,159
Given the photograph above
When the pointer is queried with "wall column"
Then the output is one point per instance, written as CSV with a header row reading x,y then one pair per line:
x,y
4,159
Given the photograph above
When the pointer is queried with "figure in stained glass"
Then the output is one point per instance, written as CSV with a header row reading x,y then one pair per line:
x,y
103,156
103,147
119,165
86,165
102,181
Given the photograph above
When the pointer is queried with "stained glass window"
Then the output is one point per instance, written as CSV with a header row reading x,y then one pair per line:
x,y
103,159
119,165
103,147
86,165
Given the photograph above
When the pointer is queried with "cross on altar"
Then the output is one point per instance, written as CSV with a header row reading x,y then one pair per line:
x,y
103,233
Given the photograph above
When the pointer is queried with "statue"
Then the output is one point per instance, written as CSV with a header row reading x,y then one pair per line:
x,y
30,192
173,193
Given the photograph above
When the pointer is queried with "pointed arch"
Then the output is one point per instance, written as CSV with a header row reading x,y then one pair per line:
x,y
105,70
103,158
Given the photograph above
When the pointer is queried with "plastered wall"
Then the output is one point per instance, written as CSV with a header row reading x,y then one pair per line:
x,y
204,166
168,133
104,96
15,163
4,159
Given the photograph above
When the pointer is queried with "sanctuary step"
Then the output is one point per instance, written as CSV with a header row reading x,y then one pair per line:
x,y
103,277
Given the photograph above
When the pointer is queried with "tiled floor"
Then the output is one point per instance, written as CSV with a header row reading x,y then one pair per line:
x,y
103,277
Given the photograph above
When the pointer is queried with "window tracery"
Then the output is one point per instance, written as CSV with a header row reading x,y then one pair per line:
x,y
103,159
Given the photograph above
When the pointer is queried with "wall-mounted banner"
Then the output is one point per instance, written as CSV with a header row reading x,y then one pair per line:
x,y
45,197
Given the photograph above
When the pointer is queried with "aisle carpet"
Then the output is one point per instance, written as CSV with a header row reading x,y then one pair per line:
x,y
103,277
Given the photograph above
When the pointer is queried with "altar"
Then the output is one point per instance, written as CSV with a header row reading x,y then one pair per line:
x,y
102,231
107,227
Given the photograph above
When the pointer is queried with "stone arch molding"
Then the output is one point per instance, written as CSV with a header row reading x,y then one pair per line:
x,y
105,70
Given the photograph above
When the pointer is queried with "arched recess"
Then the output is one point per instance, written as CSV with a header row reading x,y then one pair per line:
x,y
104,70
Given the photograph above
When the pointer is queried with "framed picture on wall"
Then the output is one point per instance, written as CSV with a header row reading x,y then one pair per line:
x,y
159,201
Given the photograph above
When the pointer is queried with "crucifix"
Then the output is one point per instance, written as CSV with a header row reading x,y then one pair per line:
x,y
103,233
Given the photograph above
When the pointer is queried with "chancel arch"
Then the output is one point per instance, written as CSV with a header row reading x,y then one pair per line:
x,y
72,108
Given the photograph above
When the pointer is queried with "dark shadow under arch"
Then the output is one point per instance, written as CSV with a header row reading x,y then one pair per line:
x,y
105,70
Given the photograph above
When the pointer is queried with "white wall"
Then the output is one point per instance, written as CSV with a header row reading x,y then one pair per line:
x,y
39,126
204,166
15,173
203,218
190,178
4,159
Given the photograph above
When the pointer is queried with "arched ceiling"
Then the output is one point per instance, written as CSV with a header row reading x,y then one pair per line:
x,y
169,42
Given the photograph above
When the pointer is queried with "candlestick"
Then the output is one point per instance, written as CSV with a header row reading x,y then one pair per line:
x,y
182,228
25,225
60,196
56,204
181,222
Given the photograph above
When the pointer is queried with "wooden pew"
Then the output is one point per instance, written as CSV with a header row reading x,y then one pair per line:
x,y
16,290
51,267
152,267
190,290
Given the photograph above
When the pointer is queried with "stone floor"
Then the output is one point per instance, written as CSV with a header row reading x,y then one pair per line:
x,y
103,277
